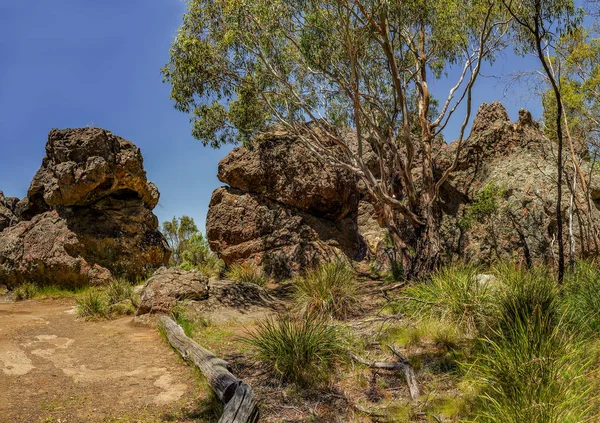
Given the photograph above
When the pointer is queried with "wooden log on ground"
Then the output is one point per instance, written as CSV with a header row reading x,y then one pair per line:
x,y
236,395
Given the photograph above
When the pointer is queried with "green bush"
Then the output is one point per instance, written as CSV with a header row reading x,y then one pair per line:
x,y
25,291
329,289
120,290
486,205
297,350
246,272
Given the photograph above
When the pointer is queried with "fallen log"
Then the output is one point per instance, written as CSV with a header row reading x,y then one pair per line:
x,y
236,395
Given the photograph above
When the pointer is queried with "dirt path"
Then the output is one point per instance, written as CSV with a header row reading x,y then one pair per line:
x,y
56,368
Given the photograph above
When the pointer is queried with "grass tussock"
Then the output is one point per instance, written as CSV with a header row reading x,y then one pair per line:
x,y
92,305
525,347
31,290
329,289
533,365
456,293
582,298
114,300
297,350
246,272
25,291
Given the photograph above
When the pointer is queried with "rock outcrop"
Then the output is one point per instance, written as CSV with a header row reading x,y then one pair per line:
x,y
8,207
283,209
507,184
87,216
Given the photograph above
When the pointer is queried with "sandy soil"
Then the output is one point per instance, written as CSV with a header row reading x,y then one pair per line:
x,y
57,368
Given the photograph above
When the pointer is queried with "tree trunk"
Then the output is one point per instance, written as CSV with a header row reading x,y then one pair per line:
x,y
428,247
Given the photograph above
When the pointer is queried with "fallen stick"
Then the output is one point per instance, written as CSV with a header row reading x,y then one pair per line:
x,y
402,365
236,395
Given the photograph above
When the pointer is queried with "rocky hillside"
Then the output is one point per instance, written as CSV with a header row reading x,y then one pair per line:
x,y
284,209
87,216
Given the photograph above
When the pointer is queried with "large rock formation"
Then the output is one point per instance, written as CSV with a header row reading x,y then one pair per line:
x,y
87,215
283,209
507,184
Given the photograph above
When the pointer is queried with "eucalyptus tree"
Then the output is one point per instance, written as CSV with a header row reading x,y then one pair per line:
x,y
179,232
538,25
320,69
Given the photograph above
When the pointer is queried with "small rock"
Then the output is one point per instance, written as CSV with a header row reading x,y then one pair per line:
x,y
169,286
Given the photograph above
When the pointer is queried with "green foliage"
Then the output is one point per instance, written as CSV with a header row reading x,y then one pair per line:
x,y
25,291
180,315
114,300
190,248
581,298
329,289
578,57
236,66
178,233
454,293
486,205
533,367
297,350
92,305
246,272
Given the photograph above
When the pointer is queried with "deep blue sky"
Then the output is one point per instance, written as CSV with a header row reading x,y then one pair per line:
x,y
72,63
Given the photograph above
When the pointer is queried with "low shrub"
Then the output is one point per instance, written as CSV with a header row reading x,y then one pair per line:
x,y
114,300
329,289
246,272
297,350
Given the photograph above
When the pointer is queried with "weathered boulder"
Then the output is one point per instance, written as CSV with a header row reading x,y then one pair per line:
x,y
7,211
46,251
280,169
167,287
92,190
244,226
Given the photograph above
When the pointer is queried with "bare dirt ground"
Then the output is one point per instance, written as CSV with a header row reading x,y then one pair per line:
x,y
57,368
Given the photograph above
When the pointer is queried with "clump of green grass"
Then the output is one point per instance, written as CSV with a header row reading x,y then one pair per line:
x,y
246,272
581,300
454,293
25,291
181,317
114,300
92,305
532,364
297,350
329,289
